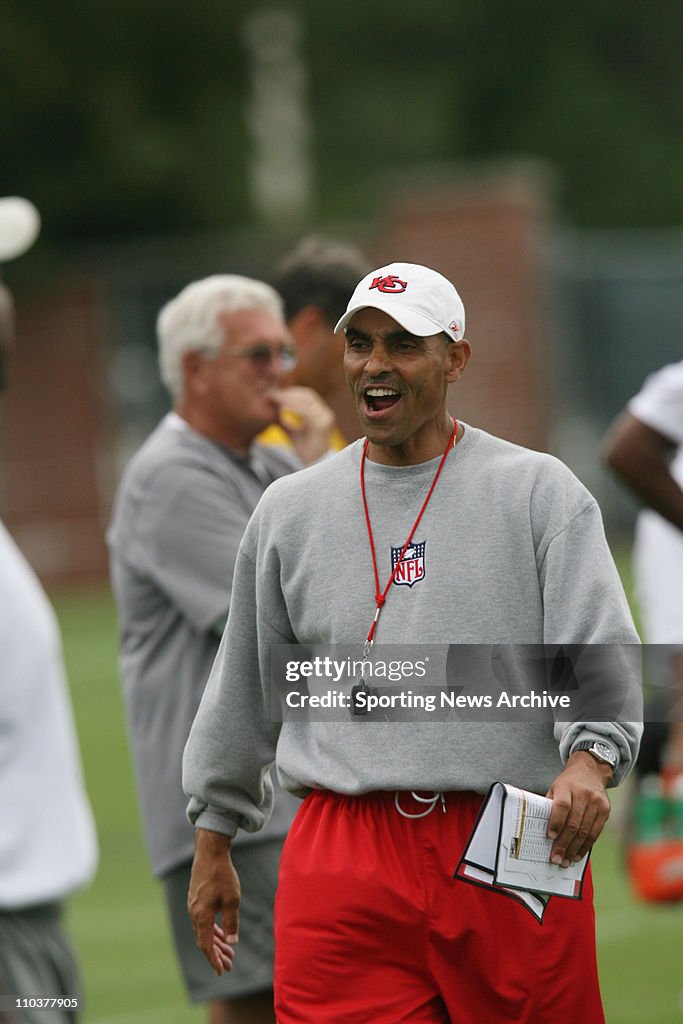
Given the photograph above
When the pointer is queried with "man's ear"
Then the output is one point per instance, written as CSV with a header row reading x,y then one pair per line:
x,y
459,353
193,365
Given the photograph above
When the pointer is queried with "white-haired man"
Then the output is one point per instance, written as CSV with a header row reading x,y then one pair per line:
x,y
178,519
507,548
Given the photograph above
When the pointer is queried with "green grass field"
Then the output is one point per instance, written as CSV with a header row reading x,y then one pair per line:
x,y
119,922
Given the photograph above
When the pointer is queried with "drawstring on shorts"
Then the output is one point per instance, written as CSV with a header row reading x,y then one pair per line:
x,y
432,801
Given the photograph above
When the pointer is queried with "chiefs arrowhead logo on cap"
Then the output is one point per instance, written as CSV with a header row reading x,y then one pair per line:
x,y
391,283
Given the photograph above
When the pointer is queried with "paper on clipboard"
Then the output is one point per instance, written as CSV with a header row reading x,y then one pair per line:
x,y
510,851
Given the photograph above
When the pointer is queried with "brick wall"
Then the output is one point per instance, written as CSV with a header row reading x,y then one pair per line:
x,y
54,435
489,240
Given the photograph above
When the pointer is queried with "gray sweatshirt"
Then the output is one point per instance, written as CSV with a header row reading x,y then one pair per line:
x,y
514,553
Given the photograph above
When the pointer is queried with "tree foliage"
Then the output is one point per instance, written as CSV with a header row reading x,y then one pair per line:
x,y
128,116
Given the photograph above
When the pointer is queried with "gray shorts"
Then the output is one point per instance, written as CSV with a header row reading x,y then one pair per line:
x,y
37,960
257,865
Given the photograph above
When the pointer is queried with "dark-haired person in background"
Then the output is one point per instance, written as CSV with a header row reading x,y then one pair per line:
x,y
316,280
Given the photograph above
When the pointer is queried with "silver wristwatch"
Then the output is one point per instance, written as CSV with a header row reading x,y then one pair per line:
x,y
602,752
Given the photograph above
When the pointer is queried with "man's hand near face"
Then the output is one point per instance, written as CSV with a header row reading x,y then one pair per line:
x,y
307,420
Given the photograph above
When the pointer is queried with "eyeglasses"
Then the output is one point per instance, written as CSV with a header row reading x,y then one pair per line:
x,y
261,356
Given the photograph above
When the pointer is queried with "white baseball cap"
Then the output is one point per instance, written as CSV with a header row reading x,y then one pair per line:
x,y
19,226
419,299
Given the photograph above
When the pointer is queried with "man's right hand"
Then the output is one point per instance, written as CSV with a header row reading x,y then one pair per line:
x,y
214,889
308,421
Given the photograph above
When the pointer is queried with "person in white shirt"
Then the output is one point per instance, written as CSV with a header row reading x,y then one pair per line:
x,y
644,447
48,847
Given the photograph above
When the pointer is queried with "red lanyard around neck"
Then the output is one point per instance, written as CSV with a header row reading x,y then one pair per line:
x,y
380,598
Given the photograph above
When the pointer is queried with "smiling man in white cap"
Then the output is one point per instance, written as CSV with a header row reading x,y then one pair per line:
x,y
47,840
427,531
404,344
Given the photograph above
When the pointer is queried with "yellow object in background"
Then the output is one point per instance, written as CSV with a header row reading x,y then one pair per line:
x,y
276,436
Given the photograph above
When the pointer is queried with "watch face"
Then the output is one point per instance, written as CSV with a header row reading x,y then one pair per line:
x,y
604,752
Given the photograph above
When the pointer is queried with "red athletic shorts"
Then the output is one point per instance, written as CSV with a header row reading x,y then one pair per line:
x,y
372,928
